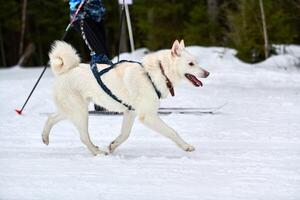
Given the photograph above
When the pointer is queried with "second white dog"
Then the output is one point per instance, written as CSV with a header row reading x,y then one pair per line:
x,y
75,87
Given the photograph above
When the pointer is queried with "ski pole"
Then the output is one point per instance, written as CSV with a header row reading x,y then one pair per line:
x,y
120,29
62,38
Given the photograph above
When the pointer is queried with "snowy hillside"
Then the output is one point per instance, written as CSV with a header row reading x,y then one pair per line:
x,y
250,149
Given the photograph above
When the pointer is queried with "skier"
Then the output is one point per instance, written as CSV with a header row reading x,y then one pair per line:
x,y
89,23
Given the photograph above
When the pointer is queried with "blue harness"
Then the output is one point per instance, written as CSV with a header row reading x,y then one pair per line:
x,y
98,75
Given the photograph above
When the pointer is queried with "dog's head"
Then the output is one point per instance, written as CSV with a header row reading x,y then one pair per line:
x,y
186,65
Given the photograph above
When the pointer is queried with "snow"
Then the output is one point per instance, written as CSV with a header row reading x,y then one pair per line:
x,y
248,150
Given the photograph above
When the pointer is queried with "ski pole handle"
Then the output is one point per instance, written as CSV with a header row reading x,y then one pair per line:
x,y
75,15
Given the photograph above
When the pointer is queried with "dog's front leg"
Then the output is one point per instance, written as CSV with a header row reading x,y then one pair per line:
x,y
155,123
128,120
81,122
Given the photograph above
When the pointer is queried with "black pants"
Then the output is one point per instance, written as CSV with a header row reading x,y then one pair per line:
x,y
95,35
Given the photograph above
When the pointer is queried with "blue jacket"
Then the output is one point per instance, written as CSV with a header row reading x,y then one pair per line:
x,y
91,8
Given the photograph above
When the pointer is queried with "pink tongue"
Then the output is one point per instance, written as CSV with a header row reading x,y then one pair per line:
x,y
194,80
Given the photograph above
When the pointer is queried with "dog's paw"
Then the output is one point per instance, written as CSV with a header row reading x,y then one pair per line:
x,y
102,154
98,152
45,139
189,148
112,147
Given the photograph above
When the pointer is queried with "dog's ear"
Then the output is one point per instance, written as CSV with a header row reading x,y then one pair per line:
x,y
182,44
176,49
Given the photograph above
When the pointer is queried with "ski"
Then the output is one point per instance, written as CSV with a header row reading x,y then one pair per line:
x,y
201,109
172,110
167,111
104,112
159,112
185,112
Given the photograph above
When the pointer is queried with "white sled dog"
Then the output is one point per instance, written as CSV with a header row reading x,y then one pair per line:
x,y
138,86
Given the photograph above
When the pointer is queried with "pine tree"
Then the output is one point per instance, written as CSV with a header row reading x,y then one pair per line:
x,y
159,22
203,26
246,31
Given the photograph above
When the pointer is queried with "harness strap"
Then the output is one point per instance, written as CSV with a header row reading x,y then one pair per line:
x,y
84,37
158,93
108,91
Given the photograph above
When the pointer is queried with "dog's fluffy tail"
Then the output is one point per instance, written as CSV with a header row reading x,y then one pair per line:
x,y
63,57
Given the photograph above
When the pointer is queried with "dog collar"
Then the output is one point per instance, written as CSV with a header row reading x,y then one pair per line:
x,y
168,82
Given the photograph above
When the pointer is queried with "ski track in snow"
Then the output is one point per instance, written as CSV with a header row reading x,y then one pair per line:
x,y
250,149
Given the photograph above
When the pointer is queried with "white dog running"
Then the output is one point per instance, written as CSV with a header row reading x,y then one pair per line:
x,y
75,87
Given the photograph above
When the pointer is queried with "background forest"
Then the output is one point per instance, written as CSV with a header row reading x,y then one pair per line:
x,y
29,27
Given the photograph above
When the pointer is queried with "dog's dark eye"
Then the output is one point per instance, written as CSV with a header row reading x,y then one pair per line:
x,y
191,64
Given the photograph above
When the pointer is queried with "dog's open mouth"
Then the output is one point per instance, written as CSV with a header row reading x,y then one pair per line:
x,y
194,80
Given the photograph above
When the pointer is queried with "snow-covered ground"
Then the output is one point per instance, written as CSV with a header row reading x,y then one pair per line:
x,y
250,149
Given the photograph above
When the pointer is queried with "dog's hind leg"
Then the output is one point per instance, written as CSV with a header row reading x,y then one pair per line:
x,y
154,122
75,109
52,120
128,120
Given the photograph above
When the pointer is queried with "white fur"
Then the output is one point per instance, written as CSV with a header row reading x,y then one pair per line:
x,y
75,87
63,57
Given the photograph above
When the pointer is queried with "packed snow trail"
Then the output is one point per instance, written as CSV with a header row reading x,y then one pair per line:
x,y
248,150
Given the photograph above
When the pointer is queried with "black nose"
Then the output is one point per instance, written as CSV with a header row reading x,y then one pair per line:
x,y
206,74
